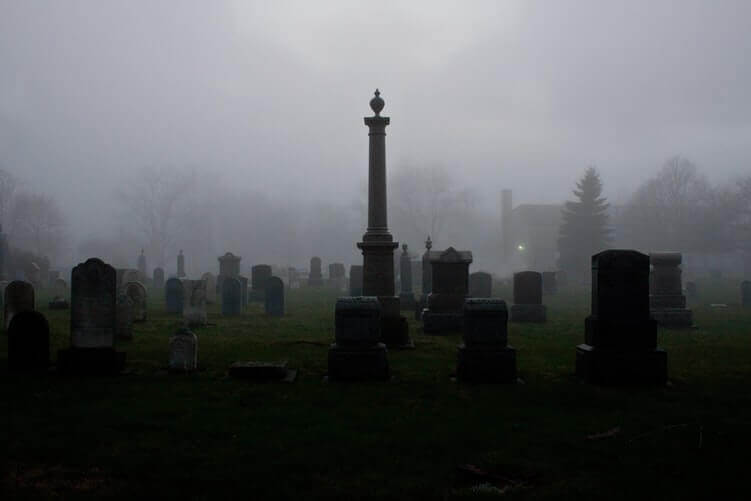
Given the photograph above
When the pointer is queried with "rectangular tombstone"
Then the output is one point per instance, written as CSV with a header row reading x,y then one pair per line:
x,y
356,354
480,284
528,305
274,297
194,306
174,294
666,300
485,356
450,286
549,283
93,305
355,280
183,351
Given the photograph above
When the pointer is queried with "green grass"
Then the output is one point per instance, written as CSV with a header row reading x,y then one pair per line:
x,y
205,436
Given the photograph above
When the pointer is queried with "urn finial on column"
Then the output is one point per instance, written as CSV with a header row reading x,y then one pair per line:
x,y
377,103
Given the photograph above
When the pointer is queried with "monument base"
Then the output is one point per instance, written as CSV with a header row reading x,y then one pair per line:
x,y
619,367
356,363
486,364
439,323
673,318
395,332
533,313
90,361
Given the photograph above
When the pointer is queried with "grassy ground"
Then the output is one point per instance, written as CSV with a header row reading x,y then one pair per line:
x,y
205,436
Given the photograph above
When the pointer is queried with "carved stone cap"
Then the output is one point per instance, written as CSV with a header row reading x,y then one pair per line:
x,y
452,255
665,258
484,304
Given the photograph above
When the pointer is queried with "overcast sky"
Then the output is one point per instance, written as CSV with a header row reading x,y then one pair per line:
x,y
271,95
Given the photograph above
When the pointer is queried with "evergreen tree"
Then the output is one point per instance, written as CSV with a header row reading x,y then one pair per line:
x,y
584,229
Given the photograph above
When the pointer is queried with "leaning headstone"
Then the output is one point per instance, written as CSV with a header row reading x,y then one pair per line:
x,y
480,285
357,353
315,278
549,283
666,300
28,342
124,317
231,297
158,278
746,294
258,276
528,305
337,276
137,294
274,297
355,280
92,321
173,295
621,337
18,297
406,293
180,264
183,351
450,286
194,307
485,356
210,281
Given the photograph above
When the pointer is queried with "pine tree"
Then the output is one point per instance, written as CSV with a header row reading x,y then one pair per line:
x,y
584,230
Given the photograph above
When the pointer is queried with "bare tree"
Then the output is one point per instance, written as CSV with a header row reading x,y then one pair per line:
x,y
37,224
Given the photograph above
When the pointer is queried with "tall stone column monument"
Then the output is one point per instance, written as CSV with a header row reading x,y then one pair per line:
x,y
377,244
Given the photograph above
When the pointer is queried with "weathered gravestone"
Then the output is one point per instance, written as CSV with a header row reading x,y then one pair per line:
x,y
485,356
293,279
210,281
337,276
183,351
231,297
621,337
480,285
28,342
450,286
124,317
158,278
194,305
666,300
60,294
244,292
174,294
528,305
274,297
125,276
406,293
18,297
357,353
259,274
137,294
355,280
549,283
180,264
92,321
746,294
315,278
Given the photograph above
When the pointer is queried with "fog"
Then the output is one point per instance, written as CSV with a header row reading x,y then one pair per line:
x,y
262,103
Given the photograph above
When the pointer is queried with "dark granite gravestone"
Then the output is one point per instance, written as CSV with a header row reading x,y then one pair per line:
x,y
666,300
183,351
315,278
136,292
209,281
746,294
485,356
93,318
480,284
231,297
356,353
450,286
621,337
337,276
528,305
355,280
18,297
406,292
549,283
194,303
174,295
158,278
258,276
274,297
124,317
28,342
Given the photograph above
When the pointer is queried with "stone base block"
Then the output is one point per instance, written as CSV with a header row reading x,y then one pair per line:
x,y
486,365
90,361
617,367
395,332
439,323
536,313
673,318
358,364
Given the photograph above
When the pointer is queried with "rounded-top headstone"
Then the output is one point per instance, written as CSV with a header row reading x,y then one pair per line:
x,y
528,287
18,297
274,297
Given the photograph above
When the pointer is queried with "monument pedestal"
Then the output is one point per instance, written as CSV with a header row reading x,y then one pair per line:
x,y
486,365
621,367
531,313
90,361
355,363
